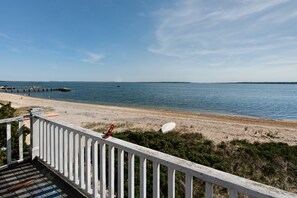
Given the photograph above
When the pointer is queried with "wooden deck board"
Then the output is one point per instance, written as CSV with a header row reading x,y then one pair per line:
x,y
32,179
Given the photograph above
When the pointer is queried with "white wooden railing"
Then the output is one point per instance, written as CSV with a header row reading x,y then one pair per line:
x,y
79,155
8,149
68,148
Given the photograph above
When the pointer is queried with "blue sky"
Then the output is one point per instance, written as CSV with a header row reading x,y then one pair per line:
x,y
138,40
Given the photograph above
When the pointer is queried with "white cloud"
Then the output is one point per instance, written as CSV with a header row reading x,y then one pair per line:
x,y
227,28
92,57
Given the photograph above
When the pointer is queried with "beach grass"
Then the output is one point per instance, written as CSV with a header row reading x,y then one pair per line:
x,y
273,164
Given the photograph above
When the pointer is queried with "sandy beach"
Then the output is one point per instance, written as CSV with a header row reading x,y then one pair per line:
x,y
214,127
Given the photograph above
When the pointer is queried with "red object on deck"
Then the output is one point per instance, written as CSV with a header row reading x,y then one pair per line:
x,y
107,135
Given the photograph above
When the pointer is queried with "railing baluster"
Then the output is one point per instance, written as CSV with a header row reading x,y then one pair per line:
x,y
82,161
20,133
8,142
103,170
131,175
111,171
95,168
45,141
156,180
56,131
88,167
61,149
189,185
76,154
48,144
142,177
52,129
208,190
120,173
233,193
171,182
66,152
70,155
41,145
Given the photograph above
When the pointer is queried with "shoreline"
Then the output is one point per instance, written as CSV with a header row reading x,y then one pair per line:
x,y
215,127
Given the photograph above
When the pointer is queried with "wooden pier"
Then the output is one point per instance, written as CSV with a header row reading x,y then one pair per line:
x,y
32,89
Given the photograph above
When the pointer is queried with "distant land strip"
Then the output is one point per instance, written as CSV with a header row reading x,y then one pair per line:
x,y
263,83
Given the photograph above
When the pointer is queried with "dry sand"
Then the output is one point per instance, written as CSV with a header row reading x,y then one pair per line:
x,y
214,127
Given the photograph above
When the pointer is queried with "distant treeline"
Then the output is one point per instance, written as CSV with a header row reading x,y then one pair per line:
x,y
263,83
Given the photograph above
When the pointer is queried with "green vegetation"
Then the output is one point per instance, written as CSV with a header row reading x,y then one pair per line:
x,y
274,164
6,111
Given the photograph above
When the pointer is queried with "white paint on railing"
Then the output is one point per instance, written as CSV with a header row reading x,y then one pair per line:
x,y
9,158
70,155
120,173
191,170
76,154
142,177
131,175
65,159
156,179
171,182
60,149
82,161
41,139
20,133
95,168
56,147
88,164
233,193
111,171
208,190
45,141
8,142
52,145
189,185
34,124
48,143
103,170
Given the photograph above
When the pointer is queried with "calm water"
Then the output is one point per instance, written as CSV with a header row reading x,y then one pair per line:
x,y
275,101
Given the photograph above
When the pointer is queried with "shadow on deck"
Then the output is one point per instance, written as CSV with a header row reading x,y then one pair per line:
x,y
33,179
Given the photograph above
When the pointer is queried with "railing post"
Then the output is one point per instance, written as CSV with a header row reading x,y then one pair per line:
x,y
8,140
34,130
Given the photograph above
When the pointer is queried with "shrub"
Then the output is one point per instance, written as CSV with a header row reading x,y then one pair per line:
x,y
6,111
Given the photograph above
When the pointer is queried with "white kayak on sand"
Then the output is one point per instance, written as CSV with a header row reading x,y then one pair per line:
x,y
168,127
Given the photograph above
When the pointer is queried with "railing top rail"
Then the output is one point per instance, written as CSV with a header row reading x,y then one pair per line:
x,y
8,120
204,173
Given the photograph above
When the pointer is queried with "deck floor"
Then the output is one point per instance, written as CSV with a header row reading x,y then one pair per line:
x,y
32,179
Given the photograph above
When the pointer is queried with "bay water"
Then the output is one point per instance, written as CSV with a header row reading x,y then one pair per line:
x,y
272,101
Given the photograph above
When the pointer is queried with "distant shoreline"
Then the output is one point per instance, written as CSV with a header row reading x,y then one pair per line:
x,y
181,82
